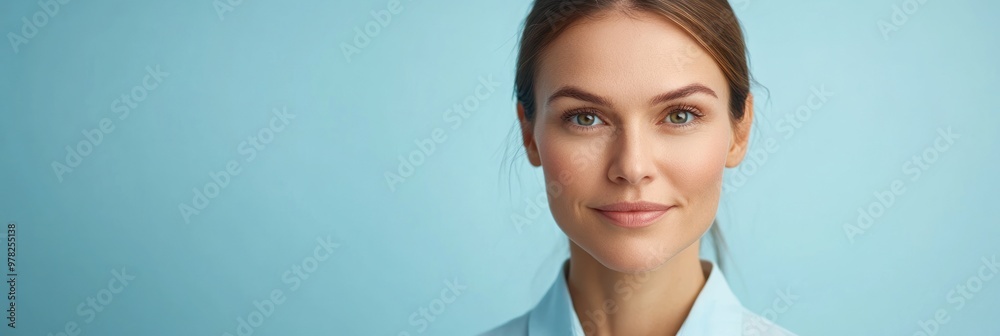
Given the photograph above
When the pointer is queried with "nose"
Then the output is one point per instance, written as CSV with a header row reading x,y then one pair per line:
x,y
633,163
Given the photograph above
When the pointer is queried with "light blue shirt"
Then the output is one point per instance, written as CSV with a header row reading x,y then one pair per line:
x,y
716,311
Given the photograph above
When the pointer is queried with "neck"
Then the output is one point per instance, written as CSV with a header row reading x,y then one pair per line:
x,y
656,302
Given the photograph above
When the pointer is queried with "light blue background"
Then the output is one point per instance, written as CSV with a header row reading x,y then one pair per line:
x,y
323,175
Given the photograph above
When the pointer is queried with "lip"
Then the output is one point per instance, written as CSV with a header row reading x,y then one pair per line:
x,y
633,214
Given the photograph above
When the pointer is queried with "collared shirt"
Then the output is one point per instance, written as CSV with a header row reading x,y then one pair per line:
x,y
716,311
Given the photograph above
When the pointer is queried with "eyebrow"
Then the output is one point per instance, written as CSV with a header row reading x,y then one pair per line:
x,y
579,94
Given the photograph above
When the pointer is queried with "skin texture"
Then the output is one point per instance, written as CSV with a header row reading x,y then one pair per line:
x,y
632,281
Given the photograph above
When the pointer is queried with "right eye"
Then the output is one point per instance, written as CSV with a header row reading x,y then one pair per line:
x,y
584,119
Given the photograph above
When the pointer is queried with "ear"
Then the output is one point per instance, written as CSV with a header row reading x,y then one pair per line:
x,y
528,137
741,135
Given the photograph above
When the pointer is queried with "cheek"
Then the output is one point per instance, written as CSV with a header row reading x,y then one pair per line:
x,y
695,166
692,164
573,172
568,164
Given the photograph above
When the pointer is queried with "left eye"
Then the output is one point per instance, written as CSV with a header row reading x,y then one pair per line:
x,y
586,119
680,117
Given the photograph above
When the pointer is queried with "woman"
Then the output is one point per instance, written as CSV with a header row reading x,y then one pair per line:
x,y
633,108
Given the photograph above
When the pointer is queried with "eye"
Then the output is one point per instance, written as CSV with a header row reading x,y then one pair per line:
x,y
680,117
683,116
584,119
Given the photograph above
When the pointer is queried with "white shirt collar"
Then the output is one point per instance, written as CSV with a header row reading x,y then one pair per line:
x,y
716,310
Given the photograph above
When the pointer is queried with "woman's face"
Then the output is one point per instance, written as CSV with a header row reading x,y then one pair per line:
x,y
631,109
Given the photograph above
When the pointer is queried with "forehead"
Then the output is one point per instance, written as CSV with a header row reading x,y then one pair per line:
x,y
626,58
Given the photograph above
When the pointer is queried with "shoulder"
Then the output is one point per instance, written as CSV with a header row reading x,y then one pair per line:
x,y
516,326
756,325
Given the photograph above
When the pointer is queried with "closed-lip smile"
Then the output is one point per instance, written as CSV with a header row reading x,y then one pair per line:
x,y
633,214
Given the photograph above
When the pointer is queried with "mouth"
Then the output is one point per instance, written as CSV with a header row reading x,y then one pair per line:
x,y
633,214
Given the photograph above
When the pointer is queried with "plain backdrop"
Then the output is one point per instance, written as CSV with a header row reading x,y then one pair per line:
x,y
448,230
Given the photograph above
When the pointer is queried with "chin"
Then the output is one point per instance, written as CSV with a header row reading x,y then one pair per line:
x,y
633,255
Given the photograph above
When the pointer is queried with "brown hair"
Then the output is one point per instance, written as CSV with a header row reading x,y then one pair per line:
x,y
712,23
